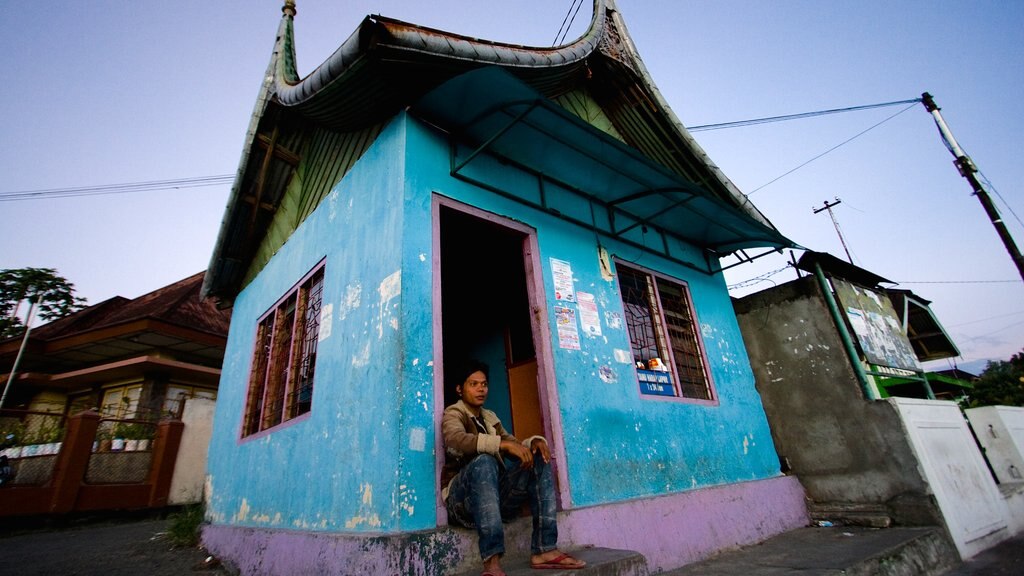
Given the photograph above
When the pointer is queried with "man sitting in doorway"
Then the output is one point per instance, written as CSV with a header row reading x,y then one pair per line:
x,y
493,474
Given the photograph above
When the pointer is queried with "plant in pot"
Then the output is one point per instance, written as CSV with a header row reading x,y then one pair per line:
x,y
136,435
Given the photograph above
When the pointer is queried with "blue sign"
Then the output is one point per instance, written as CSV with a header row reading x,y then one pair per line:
x,y
655,383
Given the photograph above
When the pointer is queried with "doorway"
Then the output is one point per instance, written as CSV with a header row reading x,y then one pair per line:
x,y
486,312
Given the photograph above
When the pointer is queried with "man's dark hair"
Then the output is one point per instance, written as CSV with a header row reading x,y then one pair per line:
x,y
467,367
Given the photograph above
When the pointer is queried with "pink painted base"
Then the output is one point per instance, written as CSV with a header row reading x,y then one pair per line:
x,y
670,531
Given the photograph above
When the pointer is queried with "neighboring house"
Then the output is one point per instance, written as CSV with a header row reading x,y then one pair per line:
x,y
852,412
125,358
423,197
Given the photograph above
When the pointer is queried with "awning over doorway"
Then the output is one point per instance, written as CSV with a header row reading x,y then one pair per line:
x,y
584,175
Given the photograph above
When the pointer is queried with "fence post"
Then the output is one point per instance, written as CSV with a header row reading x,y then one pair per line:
x,y
73,460
165,454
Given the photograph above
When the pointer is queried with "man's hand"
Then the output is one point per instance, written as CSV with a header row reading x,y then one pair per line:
x,y
517,450
539,446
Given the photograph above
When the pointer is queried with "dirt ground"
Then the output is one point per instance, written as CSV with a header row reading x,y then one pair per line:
x,y
100,547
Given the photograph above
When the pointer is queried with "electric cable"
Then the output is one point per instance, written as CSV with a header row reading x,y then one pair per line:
x,y
122,188
843,143
563,30
755,121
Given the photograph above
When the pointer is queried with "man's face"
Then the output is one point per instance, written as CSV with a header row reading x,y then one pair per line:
x,y
473,391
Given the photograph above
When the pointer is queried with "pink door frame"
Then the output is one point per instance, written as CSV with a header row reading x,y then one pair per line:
x,y
547,391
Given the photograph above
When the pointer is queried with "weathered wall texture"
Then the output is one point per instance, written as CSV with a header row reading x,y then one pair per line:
x,y
190,466
690,527
1000,431
973,508
362,462
844,448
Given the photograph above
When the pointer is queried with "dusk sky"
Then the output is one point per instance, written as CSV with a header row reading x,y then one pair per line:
x,y
112,92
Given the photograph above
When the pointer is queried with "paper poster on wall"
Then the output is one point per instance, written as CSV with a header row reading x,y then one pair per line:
x,y
568,333
876,326
590,320
561,272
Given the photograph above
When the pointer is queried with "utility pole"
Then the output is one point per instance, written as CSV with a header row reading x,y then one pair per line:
x,y
969,171
836,224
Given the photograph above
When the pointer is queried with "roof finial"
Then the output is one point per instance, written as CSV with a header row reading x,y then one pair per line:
x,y
289,8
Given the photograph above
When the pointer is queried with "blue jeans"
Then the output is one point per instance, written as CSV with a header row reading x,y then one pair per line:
x,y
488,490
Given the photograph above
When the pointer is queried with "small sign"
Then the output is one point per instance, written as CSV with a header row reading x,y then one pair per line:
x,y
655,383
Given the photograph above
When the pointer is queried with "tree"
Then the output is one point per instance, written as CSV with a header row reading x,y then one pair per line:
x,y
1001,384
52,294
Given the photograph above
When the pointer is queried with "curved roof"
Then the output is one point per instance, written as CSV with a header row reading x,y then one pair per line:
x,y
387,65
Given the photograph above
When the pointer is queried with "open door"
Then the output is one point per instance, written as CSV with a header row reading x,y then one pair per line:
x,y
485,312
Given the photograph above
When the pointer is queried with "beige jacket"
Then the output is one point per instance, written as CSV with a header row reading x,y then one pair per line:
x,y
463,442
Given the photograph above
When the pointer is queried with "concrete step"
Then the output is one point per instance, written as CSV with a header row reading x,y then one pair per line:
x,y
600,562
847,550
868,515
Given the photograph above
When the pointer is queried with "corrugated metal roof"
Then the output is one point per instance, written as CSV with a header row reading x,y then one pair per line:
x,y
387,64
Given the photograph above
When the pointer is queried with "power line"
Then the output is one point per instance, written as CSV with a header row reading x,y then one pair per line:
x,y
123,188
843,143
959,282
564,29
769,119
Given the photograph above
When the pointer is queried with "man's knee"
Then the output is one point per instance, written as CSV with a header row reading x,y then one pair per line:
x,y
483,466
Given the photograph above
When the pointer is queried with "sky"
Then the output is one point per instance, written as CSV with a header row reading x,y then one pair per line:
x,y
105,92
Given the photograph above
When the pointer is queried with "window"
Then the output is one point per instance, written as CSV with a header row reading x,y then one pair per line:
x,y
663,335
281,380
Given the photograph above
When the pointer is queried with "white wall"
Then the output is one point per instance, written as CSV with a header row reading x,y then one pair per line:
x,y
1000,431
190,467
971,504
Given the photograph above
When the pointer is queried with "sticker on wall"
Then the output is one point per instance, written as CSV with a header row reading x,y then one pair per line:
x,y
608,375
561,271
326,318
623,356
590,320
568,333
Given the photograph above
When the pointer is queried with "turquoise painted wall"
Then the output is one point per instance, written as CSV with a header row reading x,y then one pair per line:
x,y
363,460
620,445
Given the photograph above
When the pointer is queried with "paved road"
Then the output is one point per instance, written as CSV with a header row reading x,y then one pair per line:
x,y
128,547
133,547
1005,559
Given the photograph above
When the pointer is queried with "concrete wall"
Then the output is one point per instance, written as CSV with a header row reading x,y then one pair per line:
x,y
190,466
617,443
670,531
972,506
1000,431
844,448
361,462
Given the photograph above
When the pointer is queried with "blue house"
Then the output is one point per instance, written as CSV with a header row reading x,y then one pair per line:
x,y
423,197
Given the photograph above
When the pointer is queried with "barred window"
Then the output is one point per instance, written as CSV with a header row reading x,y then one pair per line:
x,y
284,362
663,335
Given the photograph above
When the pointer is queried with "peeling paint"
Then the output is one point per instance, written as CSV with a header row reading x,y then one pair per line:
x,y
366,515
623,356
362,358
243,511
389,289
417,439
351,301
326,314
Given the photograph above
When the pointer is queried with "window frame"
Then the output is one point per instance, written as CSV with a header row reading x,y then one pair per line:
x,y
661,332
282,366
